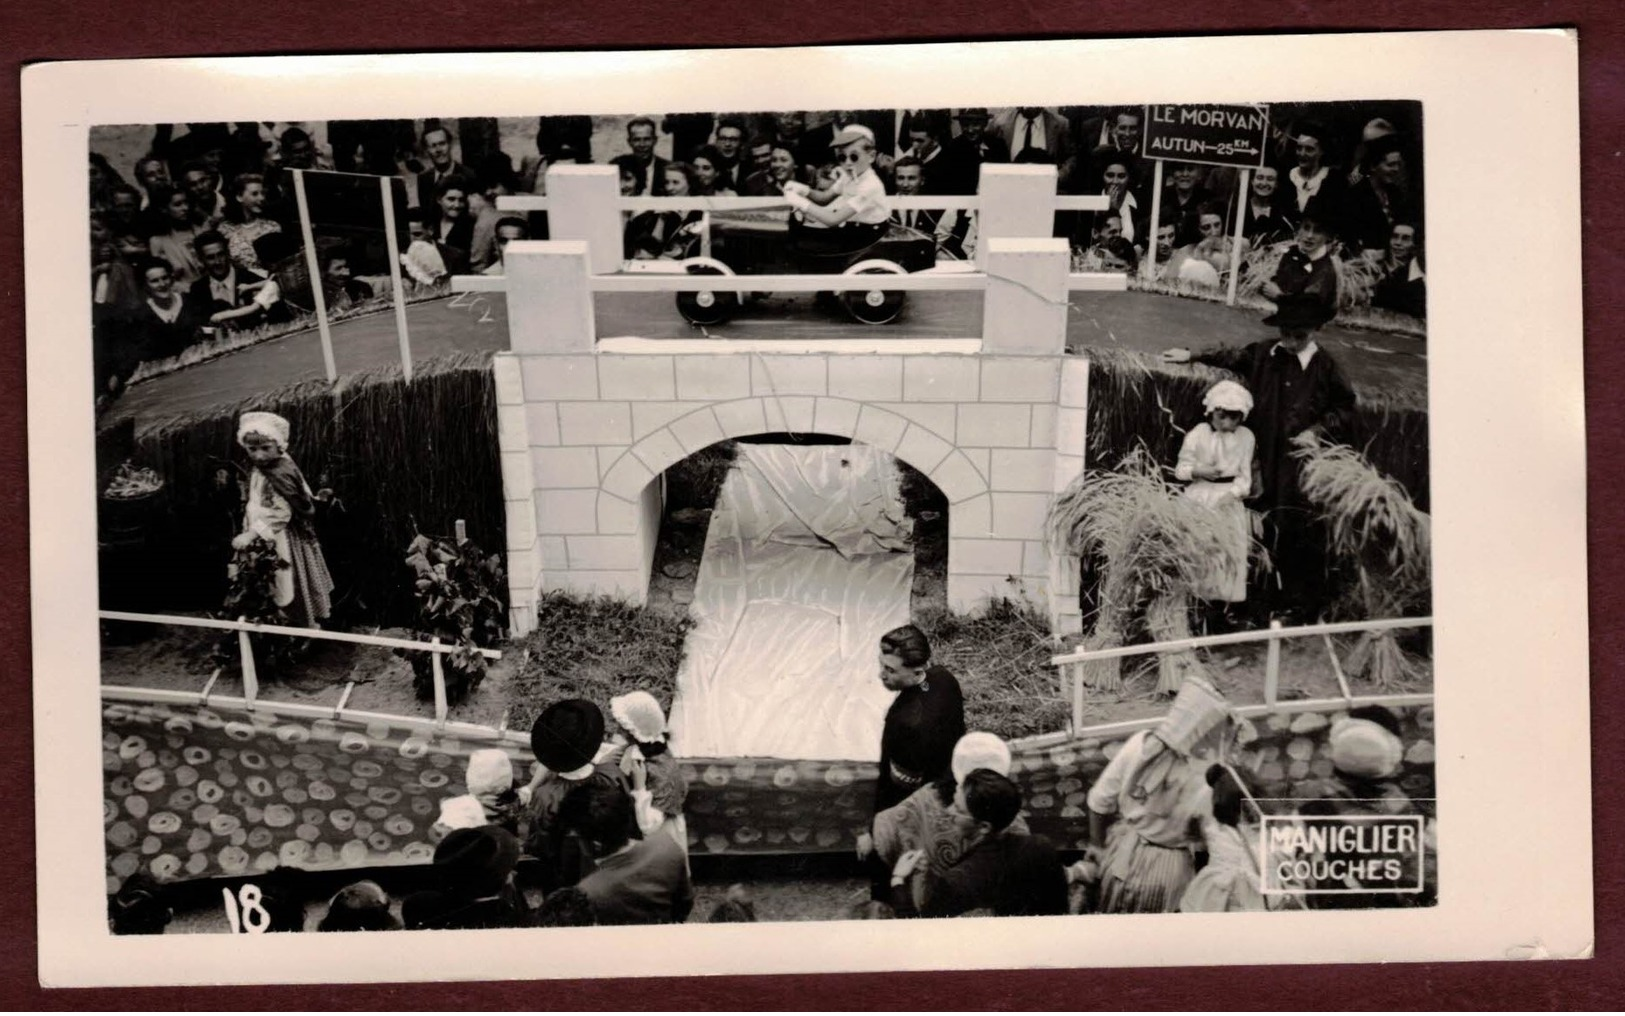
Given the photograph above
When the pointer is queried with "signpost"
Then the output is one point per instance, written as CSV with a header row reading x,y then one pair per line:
x,y
1210,135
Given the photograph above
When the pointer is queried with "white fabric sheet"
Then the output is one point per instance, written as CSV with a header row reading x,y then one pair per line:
x,y
807,563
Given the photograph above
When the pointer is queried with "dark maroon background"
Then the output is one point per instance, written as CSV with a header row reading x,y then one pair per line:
x,y
56,30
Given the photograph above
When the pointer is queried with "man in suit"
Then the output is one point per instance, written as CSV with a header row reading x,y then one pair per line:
x,y
233,297
642,160
1035,134
910,178
927,132
442,167
730,144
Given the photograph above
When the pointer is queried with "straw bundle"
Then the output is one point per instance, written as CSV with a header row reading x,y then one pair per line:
x,y
1378,531
1152,549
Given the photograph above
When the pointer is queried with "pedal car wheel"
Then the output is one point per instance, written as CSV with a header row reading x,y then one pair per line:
x,y
873,306
707,307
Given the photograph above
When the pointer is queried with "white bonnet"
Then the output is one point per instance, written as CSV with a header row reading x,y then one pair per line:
x,y
640,715
267,424
1228,395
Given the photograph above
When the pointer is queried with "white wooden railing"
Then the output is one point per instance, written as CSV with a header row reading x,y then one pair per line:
x,y
243,627
1071,668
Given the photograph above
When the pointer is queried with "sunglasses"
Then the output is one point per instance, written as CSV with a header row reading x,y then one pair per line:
x,y
851,156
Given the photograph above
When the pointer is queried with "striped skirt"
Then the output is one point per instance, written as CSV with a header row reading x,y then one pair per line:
x,y
312,585
1140,877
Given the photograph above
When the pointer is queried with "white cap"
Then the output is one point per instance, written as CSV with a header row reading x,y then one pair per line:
x,y
852,132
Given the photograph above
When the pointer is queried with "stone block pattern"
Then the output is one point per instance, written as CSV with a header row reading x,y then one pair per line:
x,y
586,437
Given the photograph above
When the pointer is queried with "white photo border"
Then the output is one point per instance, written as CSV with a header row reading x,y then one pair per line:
x,y
1507,453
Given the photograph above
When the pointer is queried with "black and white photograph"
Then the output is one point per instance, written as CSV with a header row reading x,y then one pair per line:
x,y
616,514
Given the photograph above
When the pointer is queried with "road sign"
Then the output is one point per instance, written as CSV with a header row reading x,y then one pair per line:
x,y
1215,135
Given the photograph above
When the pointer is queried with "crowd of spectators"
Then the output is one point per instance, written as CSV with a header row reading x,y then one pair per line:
x,y
203,237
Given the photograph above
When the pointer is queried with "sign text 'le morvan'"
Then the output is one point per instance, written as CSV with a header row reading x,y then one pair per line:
x,y
1218,135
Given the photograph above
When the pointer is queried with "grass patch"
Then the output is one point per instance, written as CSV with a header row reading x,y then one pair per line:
x,y
1001,657
594,648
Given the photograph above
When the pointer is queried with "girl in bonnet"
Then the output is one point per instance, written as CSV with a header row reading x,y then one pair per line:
x,y
281,510
1216,461
658,787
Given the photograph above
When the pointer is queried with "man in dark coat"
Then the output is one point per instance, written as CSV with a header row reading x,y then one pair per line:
x,y
1299,393
925,721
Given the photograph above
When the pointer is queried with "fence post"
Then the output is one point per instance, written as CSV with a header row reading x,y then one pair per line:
x,y
1016,200
251,681
1076,670
1026,304
439,683
1272,666
583,203
550,308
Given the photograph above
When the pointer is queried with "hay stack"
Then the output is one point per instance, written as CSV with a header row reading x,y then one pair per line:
x,y
1152,549
1379,533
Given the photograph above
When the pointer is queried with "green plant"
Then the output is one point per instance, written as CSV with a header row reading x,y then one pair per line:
x,y
457,587
251,579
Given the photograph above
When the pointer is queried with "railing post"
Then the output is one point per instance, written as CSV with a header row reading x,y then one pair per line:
x,y
1076,670
251,681
1272,665
1026,304
1013,201
550,308
583,204
439,682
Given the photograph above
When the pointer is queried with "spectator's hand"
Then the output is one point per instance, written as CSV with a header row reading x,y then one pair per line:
x,y
635,768
1085,872
1178,354
866,846
1271,290
795,187
907,863
217,318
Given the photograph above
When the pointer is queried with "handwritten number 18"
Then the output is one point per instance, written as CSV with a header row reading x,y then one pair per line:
x,y
245,911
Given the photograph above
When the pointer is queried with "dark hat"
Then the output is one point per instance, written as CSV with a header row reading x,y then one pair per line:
x,y
972,113
567,735
1300,312
479,859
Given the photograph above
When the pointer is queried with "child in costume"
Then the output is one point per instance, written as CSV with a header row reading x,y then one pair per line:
x,y
1216,460
281,510
1230,880
642,745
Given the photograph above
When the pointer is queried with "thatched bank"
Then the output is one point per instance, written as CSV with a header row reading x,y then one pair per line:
x,y
399,457
1136,398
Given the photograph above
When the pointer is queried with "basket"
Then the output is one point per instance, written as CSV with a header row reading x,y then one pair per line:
x,y
1197,709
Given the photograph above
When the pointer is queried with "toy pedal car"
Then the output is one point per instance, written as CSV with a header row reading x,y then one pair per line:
x,y
745,246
